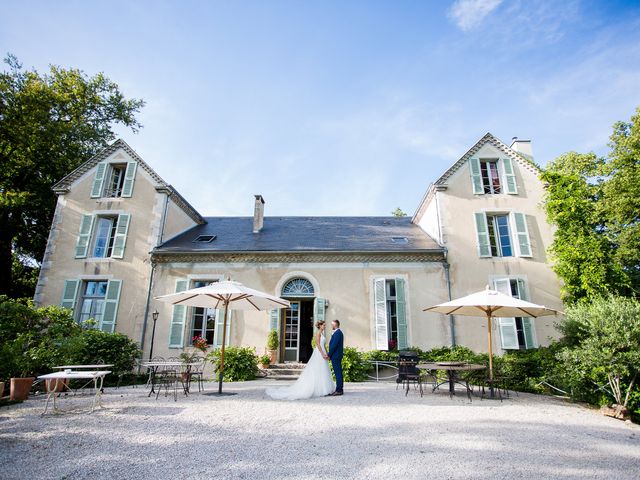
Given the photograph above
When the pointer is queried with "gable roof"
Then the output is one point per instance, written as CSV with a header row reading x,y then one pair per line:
x,y
493,141
63,185
488,138
303,234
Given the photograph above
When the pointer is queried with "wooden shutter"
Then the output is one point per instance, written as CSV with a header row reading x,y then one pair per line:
x,y
401,314
129,177
508,333
274,320
122,228
509,176
98,180
178,317
528,324
506,325
482,234
84,235
476,175
319,310
380,314
522,234
110,311
70,294
219,324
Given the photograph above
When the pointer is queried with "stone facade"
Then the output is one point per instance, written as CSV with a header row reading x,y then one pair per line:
x,y
114,246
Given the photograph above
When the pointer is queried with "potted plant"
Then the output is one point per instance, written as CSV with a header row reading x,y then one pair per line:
x,y
265,361
24,365
273,342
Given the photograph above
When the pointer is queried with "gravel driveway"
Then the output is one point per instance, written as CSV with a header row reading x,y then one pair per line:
x,y
373,431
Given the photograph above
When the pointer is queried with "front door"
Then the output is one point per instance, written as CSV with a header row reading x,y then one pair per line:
x,y
298,331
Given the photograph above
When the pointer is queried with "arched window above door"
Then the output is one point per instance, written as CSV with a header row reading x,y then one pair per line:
x,y
298,287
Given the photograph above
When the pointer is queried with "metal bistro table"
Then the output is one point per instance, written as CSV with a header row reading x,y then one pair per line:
x,y
452,369
155,366
52,392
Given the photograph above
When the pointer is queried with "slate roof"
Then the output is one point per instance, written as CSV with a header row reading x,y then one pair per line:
x,y
304,234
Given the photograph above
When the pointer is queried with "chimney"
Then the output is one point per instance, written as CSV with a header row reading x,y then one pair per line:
x,y
523,147
258,214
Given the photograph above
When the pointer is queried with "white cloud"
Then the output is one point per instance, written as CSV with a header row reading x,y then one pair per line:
x,y
468,14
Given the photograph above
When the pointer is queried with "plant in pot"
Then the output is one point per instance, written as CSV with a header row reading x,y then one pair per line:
x,y
24,365
273,342
265,361
188,357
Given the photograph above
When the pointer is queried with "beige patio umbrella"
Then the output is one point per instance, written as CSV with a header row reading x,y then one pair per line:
x,y
227,295
491,303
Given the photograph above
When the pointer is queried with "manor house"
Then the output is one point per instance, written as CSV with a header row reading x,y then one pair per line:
x,y
121,235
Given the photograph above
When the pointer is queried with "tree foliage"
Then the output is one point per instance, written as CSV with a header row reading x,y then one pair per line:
x,y
49,124
602,339
595,205
398,213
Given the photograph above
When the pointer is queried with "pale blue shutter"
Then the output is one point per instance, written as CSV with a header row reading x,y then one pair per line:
x,y
219,324
178,317
319,307
70,294
401,314
84,235
506,325
522,234
274,320
120,240
482,234
509,176
528,324
129,178
98,180
476,175
110,311
380,314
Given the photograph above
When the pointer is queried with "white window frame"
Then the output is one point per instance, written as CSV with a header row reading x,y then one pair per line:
x,y
514,234
510,322
372,286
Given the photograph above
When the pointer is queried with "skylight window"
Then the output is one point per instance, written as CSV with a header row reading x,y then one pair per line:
x,y
205,238
399,239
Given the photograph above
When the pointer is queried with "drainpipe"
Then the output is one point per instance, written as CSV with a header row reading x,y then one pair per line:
x,y
146,307
452,318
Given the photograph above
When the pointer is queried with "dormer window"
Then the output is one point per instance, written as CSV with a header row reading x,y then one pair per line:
x,y
115,181
492,176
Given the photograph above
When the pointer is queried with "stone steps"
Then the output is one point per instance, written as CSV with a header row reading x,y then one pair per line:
x,y
284,371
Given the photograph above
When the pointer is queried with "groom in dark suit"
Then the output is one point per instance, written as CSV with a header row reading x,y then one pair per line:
x,y
336,350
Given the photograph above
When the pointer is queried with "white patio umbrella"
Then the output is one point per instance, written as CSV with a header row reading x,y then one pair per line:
x,y
225,295
491,303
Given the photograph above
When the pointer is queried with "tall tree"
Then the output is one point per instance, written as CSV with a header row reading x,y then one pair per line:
x,y
49,124
595,205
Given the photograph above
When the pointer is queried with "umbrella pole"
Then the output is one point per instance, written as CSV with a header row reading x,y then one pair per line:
x,y
490,356
224,340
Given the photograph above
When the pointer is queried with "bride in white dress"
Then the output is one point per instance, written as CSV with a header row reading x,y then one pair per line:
x,y
315,380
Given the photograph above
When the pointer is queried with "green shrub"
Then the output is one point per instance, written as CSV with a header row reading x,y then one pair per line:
x,y
96,346
354,365
240,363
273,342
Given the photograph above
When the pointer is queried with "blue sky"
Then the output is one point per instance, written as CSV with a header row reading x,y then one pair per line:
x,y
346,107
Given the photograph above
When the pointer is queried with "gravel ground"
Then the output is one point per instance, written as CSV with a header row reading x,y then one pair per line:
x,y
373,431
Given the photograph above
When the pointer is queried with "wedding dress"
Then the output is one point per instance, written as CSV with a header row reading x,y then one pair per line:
x,y
314,381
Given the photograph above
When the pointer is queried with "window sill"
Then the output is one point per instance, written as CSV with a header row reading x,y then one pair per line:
x,y
99,259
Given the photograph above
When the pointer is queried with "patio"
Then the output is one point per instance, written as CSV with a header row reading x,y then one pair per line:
x,y
373,431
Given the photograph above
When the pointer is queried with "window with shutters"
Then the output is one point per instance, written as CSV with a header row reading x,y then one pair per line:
x,y
92,301
390,315
203,320
490,176
104,236
502,234
517,333
114,181
499,235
